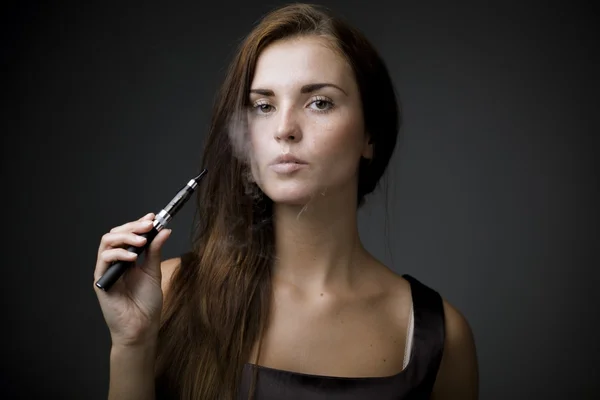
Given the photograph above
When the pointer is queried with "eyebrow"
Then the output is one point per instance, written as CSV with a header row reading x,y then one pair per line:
x,y
305,89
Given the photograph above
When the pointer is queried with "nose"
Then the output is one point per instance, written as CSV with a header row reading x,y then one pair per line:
x,y
288,127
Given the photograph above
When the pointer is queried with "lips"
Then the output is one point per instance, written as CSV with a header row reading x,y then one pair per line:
x,y
288,159
287,164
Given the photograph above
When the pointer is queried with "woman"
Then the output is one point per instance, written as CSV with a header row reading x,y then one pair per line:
x,y
278,299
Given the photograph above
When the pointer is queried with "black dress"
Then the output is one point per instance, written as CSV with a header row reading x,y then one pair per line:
x,y
413,382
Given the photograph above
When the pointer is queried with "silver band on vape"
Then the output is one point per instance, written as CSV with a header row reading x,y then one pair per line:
x,y
192,183
161,220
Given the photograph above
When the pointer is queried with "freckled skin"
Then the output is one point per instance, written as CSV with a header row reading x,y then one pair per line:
x,y
304,101
324,127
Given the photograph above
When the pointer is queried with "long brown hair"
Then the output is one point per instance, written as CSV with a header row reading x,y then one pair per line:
x,y
218,305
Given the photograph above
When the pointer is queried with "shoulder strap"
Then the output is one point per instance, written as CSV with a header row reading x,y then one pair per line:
x,y
428,335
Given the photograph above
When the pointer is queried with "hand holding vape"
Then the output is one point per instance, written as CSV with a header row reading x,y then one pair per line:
x,y
115,270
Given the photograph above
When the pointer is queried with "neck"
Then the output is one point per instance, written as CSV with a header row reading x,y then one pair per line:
x,y
317,245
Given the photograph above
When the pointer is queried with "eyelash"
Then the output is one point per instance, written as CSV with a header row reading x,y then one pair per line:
x,y
256,106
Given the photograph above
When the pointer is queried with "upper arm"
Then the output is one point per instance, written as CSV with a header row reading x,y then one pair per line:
x,y
168,268
458,375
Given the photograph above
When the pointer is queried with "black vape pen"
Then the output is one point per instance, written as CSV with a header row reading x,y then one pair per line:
x,y
116,269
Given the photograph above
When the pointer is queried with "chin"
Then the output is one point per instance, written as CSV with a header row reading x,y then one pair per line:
x,y
289,199
293,196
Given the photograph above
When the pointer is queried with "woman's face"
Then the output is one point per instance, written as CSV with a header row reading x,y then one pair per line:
x,y
305,103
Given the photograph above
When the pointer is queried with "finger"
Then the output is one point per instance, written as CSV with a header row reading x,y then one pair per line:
x,y
154,253
121,239
149,216
107,257
139,226
159,241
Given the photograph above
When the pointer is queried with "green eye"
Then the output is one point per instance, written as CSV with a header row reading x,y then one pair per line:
x,y
262,108
321,104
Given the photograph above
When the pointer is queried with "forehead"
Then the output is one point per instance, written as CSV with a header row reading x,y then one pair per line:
x,y
298,61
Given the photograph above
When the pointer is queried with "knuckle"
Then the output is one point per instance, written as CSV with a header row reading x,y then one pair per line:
x,y
107,255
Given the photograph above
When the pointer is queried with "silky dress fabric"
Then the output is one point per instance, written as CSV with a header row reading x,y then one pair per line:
x,y
413,382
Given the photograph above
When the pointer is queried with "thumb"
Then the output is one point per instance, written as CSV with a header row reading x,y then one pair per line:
x,y
154,256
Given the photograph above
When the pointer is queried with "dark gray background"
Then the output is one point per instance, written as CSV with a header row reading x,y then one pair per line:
x,y
492,200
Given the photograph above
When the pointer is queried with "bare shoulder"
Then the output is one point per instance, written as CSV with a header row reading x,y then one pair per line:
x,y
378,278
168,268
458,376
383,282
457,326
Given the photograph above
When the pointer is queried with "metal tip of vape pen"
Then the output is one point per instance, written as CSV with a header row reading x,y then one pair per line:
x,y
201,174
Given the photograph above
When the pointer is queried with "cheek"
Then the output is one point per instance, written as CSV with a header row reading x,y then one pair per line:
x,y
257,143
340,138
256,150
257,133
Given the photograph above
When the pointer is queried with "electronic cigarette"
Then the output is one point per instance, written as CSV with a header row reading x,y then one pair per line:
x,y
116,269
